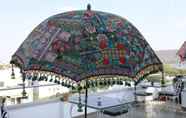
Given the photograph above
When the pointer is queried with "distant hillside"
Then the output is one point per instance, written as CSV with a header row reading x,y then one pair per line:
x,y
4,66
167,56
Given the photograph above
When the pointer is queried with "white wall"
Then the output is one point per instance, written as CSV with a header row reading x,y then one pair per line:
x,y
38,110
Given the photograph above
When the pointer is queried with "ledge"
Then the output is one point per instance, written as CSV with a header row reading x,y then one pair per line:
x,y
39,102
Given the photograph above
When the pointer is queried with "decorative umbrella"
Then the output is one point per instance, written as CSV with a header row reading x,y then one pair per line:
x,y
182,52
76,48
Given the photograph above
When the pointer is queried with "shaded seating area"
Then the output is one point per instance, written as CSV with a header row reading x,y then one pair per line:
x,y
85,50
175,93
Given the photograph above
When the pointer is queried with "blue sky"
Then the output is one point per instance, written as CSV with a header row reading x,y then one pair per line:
x,y
162,22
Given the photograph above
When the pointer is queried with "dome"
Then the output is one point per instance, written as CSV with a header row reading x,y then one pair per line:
x,y
84,44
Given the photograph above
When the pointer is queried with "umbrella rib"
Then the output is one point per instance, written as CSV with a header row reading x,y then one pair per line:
x,y
52,38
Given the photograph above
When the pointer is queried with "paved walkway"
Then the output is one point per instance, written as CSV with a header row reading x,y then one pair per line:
x,y
154,109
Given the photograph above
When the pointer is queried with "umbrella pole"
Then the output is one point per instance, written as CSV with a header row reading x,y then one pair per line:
x,y
135,98
86,96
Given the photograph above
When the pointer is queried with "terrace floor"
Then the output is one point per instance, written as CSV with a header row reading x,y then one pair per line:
x,y
155,109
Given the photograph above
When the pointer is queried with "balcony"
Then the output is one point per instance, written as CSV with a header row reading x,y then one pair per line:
x,y
56,108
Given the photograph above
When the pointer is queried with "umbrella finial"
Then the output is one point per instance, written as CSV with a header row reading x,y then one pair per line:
x,y
88,7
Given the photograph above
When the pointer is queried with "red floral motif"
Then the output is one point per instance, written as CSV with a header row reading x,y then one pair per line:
x,y
51,24
103,44
181,58
62,49
122,60
66,46
56,46
120,46
119,24
142,72
88,14
105,60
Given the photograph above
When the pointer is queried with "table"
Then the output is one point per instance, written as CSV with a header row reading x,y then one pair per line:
x,y
100,103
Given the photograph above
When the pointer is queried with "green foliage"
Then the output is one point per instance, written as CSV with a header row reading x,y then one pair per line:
x,y
4,66
162,82
154,78
171,71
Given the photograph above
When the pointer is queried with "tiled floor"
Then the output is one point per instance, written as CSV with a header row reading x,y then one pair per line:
x,y
151,110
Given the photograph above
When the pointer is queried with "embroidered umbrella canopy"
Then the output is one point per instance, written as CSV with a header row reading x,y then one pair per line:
x,y
78,47
182,52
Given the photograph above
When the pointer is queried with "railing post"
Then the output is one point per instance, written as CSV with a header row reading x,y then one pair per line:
x,y
86,97
163,79
23,78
